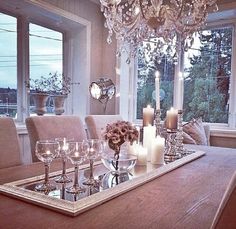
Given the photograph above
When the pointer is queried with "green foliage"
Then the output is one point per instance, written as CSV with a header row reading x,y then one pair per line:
x,y
53,84
207,84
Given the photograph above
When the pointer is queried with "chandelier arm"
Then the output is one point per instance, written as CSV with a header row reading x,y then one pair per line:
x,y
135,21
181,10
195,24
141,9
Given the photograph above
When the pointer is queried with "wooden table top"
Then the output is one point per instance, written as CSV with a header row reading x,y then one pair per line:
x,y
187,197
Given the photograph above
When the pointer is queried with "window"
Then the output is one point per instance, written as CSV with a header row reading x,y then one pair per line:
x,y
46,56
207,76
8,65
46,47
146,84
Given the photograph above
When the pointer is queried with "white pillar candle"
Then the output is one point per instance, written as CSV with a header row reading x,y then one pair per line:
x,y
180,91
142,155
149,133
171,119
157,89
133,149
148,115
158,147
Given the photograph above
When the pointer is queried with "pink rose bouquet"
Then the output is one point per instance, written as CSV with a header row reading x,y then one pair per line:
x,y
119,132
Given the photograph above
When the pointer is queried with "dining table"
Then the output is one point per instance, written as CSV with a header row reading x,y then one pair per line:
x,y
187,197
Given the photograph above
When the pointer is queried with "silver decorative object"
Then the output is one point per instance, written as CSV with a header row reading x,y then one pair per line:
x,y
94,151
22,189
77,155
179,135
102,90
46,151
168,25
63,178
157,122
171,153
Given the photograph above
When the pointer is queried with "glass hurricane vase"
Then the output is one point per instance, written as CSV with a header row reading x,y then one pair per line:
x,y
95,148
64,147
46,151
77,155
118,161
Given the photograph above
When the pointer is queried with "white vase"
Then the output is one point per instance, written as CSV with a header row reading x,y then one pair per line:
x,y
58,103
40,100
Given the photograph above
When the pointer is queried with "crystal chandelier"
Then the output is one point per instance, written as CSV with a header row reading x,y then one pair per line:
x,y
155,27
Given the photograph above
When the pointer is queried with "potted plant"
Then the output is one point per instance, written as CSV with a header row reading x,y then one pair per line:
x,y
39,91
56,85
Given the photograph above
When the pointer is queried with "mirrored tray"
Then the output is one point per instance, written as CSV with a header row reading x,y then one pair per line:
x,y
110,186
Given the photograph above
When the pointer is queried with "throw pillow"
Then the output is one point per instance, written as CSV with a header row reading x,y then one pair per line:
x,y
196,131
187,139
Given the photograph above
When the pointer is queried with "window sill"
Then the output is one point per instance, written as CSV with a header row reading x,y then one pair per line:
x,y
228,133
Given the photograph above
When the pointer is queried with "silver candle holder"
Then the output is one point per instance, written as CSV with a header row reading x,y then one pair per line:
x,y
171,153
179,134
157,121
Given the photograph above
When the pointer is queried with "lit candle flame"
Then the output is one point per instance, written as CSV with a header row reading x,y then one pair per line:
x,y
48,152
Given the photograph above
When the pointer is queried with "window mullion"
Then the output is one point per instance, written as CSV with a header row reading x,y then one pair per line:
x,y
232,102
22,68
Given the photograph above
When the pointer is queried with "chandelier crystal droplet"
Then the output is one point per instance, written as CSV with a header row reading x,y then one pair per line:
x,y
168,25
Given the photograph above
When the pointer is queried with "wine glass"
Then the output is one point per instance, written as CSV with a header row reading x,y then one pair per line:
x,y
46,151
95,147
77,155
63,178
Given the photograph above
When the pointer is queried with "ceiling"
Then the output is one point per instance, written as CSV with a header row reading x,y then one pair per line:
x,y
95,1
53,20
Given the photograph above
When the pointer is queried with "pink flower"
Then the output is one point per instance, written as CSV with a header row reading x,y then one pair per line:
x,y
119,132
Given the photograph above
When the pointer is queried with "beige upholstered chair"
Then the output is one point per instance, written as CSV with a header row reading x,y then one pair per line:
x,y
97,123
51,127
9,144
225,216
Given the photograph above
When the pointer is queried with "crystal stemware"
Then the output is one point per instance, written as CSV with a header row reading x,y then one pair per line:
x,y
94,151
63,178
46,151
77,155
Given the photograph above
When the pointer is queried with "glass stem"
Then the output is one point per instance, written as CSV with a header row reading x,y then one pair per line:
x,y
76,175
46,173
91,169
63,166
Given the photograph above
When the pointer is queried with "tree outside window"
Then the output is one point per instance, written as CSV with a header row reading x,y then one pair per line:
x,y
207,76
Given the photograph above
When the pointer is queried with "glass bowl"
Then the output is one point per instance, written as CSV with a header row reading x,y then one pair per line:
x,y
126,162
